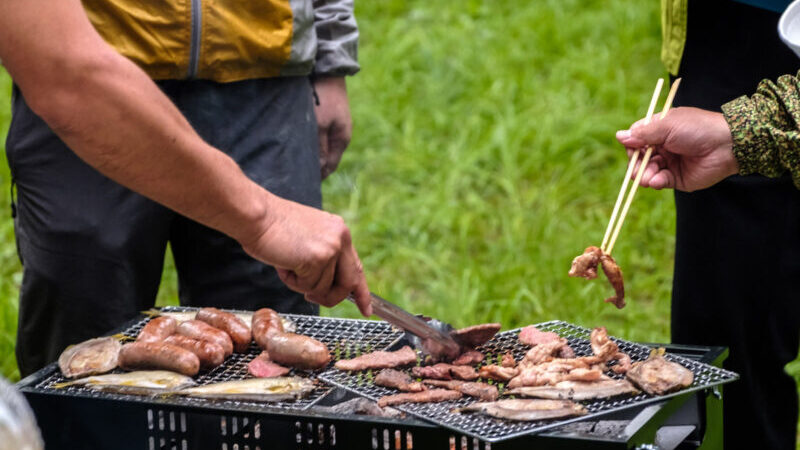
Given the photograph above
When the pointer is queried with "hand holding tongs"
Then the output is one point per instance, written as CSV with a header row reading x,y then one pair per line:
x,y
435,341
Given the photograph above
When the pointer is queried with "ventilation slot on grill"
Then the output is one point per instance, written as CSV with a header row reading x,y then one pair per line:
x,y
311,435
387,439
166,430
468,443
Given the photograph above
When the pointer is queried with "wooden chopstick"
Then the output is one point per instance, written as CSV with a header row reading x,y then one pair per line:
x,y
645,160
631,165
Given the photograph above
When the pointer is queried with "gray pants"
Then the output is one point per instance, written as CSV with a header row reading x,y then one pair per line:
x,y
92,250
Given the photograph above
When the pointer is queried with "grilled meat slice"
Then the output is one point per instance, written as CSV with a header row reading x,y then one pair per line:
x,y
577,390
566,352
443,371
364,407
603,347
623,363
545,351
531,335
657,376
482,391
585,265
427,396
526,409
508,360
263,367
536,376
396,379
614,275
498,373
475,335
379,360
468,358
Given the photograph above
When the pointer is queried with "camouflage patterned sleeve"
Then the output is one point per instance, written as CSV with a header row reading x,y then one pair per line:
x,y
764,127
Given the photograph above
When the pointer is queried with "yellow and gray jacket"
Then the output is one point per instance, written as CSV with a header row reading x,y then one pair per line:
x,y
229,40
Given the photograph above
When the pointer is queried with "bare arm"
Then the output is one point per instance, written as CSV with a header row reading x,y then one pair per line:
x,y
116,119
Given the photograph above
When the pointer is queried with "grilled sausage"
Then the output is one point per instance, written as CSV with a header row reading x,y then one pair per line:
x,y
210,354
229,323
196,329
298,351
157,329
266,322
158,356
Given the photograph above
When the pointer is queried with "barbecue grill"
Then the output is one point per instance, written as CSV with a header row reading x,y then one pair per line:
x,y
78,417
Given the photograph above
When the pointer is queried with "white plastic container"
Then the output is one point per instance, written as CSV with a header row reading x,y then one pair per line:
x,y
789,27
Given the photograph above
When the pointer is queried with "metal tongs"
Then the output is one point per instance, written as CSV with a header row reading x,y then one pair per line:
x,y
435,341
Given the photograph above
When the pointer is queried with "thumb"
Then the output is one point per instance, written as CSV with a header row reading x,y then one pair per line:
x,y
642,134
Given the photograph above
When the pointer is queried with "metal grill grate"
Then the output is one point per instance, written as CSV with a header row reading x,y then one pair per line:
x,y
344,337
494,430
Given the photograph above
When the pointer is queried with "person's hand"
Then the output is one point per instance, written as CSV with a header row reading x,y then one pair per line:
x,y
313,253
335,126
693,149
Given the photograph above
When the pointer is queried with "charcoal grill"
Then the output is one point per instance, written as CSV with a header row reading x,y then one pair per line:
x,y
80,418
495,430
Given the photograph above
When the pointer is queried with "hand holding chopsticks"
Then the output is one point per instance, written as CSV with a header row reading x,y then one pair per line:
x,y
615,223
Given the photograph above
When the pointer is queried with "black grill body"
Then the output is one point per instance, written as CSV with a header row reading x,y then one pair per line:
x,y
79,418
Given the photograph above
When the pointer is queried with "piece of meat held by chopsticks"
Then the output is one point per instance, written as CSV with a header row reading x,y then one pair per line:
x,y
396,379
379,360
585,266
427,396
526,409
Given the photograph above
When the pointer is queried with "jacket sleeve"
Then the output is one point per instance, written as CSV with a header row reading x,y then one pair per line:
x,y
337,37
764,128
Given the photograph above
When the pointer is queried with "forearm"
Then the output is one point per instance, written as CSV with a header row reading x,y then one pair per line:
x,y
115,118
764,128
337,36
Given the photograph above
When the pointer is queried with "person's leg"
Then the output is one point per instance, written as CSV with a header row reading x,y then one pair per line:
x,y
736,276
91,250
268,126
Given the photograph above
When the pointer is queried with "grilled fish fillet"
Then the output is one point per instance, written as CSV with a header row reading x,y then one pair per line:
x,y
141,382
255,389
526,409
577,390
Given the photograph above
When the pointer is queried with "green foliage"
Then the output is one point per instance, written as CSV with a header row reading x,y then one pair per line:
x,y
483,160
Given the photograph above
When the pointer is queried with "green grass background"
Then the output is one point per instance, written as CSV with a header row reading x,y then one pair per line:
x,y
483,160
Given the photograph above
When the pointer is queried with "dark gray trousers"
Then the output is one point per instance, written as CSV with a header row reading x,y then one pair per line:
x,y
92,251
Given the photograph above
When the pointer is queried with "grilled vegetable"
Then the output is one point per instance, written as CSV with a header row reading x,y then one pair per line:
x,y
95,356
144,382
